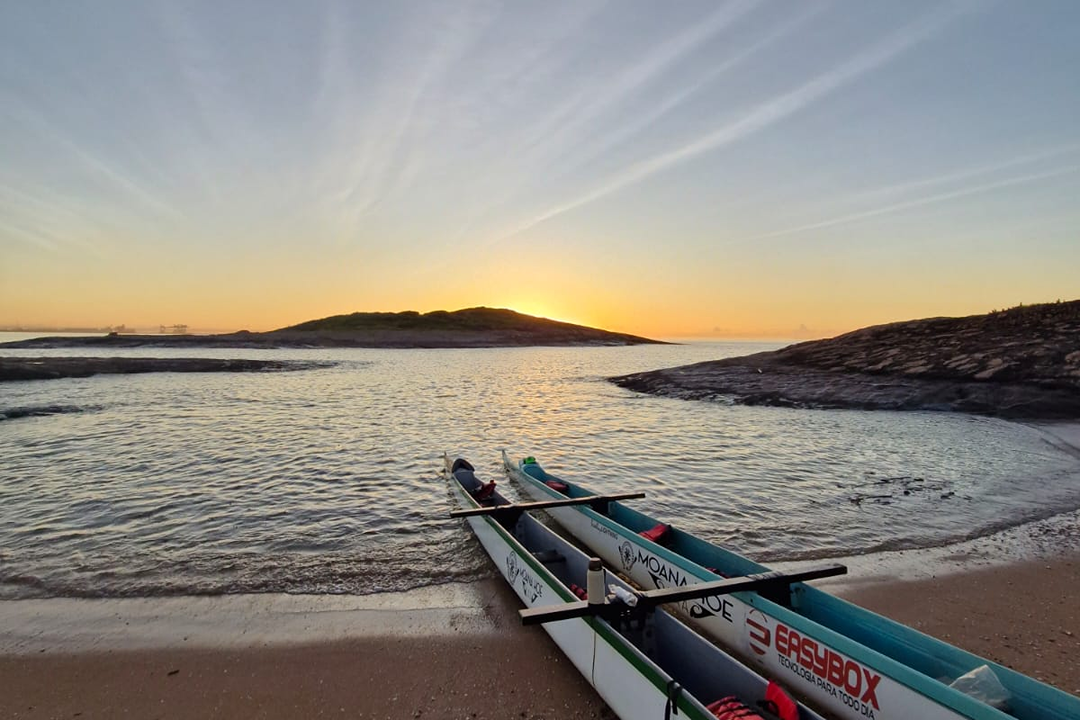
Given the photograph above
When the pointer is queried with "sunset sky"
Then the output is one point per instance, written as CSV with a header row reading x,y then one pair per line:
x,y
780,169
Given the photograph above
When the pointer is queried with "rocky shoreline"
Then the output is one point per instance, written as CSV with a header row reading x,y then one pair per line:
x,y
1022,363
52,368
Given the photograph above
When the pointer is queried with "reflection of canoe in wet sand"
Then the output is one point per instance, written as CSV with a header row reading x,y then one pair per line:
x,y
642,661
851,661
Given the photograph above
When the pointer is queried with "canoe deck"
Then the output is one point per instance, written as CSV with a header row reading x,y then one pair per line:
x,y
652,655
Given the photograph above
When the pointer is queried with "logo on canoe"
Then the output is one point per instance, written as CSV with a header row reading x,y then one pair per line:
x,y
759,637
603,530
820,665
513,568
664,575
530,587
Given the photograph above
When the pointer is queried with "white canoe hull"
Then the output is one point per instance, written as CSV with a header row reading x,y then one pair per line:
x,y
616,679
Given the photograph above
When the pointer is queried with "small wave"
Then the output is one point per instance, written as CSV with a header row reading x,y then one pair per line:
x,y
1049,526
16,413
233,580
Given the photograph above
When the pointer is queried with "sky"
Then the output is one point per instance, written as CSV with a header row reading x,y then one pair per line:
x,y
727,169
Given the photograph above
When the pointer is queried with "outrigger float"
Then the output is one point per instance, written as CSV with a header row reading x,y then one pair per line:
x,y
840,657
645,663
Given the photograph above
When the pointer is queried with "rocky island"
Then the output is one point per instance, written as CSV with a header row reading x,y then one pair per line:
x,y
473,327
53,368
1022,363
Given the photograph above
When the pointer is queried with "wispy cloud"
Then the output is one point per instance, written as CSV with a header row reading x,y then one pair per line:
x,y
921,201
31,237
638,122
768,113
575,129
512,72
380,170
131,186
44,219
641,74
902,188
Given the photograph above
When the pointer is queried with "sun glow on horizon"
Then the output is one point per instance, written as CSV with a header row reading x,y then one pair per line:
x,y
712,170
541,310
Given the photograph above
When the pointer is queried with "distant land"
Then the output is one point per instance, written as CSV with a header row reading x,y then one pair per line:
x,y
1021,363
472,327
54,368
73,329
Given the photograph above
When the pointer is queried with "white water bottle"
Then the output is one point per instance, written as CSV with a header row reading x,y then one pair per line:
x,y
623,595
594,582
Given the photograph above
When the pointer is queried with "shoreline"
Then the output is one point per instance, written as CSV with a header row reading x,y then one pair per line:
x,y
79,625
764,380
453,651
1066,435
1050,538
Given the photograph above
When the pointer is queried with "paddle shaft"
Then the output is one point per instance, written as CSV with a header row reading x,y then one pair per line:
x,y
756,582
649,599
544,504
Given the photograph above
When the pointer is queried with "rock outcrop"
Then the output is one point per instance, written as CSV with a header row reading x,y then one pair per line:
x,y
1018,363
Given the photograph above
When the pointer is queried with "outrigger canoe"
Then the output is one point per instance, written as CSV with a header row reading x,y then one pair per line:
x,y
848,660
644,663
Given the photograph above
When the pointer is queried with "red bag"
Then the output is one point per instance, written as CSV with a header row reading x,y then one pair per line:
x,y
732,708
658,534
780,703
777,702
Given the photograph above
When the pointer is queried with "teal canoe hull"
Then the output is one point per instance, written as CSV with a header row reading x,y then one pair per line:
x,y
907,656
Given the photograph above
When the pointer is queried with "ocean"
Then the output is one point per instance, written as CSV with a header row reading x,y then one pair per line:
x,y
328,480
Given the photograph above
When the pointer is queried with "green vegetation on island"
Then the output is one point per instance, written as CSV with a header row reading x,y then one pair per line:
x,y
471,319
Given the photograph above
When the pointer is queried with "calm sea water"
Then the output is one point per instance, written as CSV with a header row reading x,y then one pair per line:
x,y
328,480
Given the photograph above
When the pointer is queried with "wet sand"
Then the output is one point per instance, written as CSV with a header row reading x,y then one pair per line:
x,y
485,677
450,652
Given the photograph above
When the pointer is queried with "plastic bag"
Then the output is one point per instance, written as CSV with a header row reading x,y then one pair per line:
x,y
982,684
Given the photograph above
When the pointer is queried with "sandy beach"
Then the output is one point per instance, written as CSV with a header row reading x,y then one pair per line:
x,y
455,651
522,676
451,652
